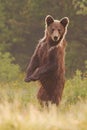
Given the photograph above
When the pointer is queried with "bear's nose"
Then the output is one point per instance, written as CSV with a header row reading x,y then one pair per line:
x,y
55,38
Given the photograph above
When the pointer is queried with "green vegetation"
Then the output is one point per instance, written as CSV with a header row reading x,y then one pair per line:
x,y
8,70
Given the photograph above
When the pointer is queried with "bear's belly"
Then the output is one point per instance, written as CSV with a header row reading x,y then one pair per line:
x,y
49,80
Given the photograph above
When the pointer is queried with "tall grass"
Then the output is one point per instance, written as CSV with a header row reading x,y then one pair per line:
x,y
20,110
13,117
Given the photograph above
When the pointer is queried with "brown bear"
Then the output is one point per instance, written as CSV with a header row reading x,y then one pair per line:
x,y
48,61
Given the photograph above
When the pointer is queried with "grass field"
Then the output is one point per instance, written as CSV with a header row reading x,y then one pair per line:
x,y
20,110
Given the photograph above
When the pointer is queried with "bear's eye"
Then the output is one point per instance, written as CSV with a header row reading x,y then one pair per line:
x,y
59,30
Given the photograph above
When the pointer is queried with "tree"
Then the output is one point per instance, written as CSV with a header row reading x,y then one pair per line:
x,y
22,25
80,6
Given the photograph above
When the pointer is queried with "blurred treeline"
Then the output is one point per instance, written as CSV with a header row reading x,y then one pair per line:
x,y
22,25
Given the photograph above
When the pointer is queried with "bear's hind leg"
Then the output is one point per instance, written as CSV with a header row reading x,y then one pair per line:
x,y
43,97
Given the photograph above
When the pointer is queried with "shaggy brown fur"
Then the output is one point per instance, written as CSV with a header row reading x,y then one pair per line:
x,y
47,63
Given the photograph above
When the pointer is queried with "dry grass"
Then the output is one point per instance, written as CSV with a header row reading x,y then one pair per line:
x,y
14,117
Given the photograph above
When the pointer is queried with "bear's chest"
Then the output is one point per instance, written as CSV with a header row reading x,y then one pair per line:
x,y
52,54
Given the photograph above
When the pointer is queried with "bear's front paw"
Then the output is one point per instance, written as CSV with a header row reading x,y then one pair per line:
x,y
35,75
27,79
34,78
31,78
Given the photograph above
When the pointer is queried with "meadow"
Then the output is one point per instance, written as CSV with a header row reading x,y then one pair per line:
x,y
20,110
22,24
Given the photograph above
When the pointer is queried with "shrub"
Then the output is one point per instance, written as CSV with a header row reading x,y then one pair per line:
x,y
8,70
75,89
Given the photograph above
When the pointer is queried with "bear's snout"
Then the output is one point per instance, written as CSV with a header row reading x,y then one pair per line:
x,y
55,38
55,35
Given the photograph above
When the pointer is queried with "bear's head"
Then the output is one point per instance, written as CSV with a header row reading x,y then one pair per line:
x,y
56,29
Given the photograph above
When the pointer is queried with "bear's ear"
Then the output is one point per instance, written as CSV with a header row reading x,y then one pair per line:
x,y
49,19
64,21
